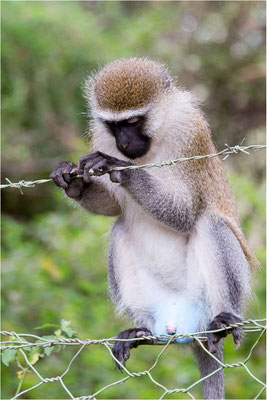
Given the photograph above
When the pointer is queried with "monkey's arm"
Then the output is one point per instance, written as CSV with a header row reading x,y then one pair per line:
x,y
95,198
90,194
179,213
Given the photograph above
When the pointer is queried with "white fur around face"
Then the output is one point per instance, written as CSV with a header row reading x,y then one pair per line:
x,y
107,115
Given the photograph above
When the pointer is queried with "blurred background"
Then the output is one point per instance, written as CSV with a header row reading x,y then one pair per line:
x,y
54,256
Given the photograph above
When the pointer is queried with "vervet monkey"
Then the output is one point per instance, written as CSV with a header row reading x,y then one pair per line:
x,y
178,261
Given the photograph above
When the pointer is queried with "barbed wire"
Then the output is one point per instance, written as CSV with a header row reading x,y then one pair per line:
x,y
226,152
25,342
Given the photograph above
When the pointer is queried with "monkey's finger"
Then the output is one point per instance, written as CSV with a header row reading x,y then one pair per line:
x,y
87,159
101,167
118,365
85,168
223,333
126,354
115,176
89,166
217,324
59,180
123,354
212,339
119,357
122,361
75,188
118,354
60,175
237,336
66,177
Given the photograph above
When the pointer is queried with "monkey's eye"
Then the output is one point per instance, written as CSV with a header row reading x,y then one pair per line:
x,y
111,124
133,120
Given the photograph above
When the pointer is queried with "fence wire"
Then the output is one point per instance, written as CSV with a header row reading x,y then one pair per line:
x,y
225,152
20,343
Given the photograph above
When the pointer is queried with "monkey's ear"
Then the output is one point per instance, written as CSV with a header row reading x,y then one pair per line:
x,y
166,79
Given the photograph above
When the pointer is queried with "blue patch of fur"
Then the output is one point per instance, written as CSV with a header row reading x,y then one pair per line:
x,y
185,316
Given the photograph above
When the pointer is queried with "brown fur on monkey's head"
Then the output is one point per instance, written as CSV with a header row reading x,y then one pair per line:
x,y
129,84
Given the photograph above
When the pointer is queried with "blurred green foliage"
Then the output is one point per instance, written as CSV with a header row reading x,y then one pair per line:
x,y
54,256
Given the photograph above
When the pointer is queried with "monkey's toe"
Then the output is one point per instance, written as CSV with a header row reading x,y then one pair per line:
x,y
223,320
121,349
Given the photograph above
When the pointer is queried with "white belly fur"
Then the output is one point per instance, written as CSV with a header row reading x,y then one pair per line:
x,y
151,268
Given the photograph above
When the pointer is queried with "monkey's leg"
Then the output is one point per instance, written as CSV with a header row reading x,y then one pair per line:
x,y
121,350
214,386
222,321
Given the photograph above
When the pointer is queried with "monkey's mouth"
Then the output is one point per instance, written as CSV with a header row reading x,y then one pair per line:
x,y
133,152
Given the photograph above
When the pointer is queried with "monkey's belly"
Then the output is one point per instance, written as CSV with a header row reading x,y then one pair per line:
x,y
150,264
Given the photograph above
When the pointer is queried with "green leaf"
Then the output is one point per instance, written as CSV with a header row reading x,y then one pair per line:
x,y
64,324
49,337
69,332
8,355
34,358
47,325
58,348
58,333
48,350
65,328
34,355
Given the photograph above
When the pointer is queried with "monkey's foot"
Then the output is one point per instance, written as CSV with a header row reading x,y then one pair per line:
x,y
223,320
121,349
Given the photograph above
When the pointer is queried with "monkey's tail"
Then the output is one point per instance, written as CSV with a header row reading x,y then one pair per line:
x,y
214,386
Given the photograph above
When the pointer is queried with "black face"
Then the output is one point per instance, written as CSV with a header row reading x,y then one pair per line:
x,y
129,136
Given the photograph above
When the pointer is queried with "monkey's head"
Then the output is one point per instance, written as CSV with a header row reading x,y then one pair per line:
x,y
121,96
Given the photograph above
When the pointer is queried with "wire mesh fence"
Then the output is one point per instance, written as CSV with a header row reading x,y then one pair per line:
x,y
24,344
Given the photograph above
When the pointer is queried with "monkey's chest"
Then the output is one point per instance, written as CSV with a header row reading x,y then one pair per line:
x,y
161,253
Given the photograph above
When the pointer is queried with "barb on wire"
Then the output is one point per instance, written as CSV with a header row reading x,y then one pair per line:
x,y
20,184
226,152
20,344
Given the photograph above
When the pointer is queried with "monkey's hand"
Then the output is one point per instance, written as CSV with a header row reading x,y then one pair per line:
x,y
223,320
61,176
121,350
99,163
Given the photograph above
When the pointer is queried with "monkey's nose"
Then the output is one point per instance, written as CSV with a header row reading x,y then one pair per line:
x,y
125,145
